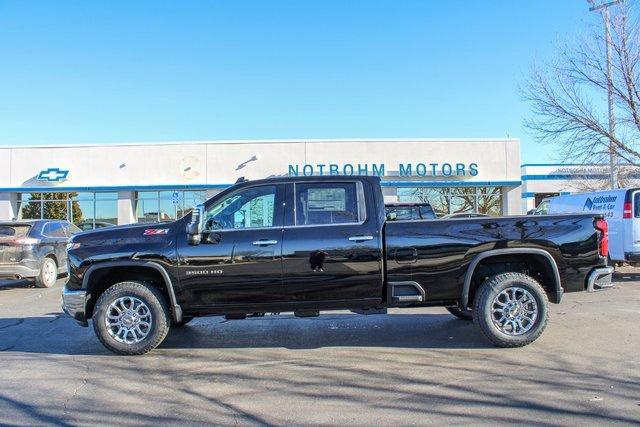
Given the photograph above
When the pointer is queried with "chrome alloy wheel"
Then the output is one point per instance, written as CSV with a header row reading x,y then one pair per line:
x,y
128,320
49,273
514,311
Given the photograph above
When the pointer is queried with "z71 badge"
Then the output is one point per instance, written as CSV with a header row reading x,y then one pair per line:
x,y
155,231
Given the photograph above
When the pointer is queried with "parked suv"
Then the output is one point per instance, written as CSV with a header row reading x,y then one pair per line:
x,y
409,211
34,249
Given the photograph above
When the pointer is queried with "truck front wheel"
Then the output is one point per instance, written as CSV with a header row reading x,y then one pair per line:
x,y
511,309
131,318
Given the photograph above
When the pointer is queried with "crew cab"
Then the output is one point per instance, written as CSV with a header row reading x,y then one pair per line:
x,y
308,244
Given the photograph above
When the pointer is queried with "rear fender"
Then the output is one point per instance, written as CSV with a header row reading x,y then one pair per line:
x,y
556,286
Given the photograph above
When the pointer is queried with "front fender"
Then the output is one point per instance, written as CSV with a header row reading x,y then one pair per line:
x,y
176,309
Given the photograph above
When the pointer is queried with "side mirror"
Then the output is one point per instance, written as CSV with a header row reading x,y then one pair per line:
x,y
194,228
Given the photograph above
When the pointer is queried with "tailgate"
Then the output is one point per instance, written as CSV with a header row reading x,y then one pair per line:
x,y
10,249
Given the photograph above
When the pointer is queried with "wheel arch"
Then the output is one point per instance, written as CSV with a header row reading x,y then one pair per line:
x,y
120,270
51,255
553,284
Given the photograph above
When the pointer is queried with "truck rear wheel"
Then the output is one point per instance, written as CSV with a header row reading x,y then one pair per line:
x,y
511,309
463,314
131,318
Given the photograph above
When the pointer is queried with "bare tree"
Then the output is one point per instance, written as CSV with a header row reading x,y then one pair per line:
x,y
569,97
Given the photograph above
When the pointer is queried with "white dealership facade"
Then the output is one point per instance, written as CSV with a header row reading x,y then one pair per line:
x,y
128,183
545,180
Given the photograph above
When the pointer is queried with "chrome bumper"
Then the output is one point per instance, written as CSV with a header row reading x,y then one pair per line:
x,y
599,279
74,303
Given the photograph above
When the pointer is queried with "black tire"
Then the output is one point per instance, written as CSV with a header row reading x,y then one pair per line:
x,y
184,321
461,314
44,278
484,316
156,305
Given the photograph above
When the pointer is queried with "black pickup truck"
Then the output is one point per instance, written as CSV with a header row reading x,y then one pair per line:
x,y
303,245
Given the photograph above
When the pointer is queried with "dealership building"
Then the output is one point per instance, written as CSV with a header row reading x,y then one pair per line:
x,y
129,183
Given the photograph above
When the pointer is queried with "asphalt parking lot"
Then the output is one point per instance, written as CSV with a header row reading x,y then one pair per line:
x,y
412,367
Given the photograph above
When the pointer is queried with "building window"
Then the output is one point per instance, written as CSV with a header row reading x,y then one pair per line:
x,y
449,200
87,210
154,206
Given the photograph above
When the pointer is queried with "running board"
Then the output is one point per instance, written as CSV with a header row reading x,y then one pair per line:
x,y
406,292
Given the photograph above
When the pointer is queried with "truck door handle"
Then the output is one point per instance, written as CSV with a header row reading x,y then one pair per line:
x,y
360,238
264,242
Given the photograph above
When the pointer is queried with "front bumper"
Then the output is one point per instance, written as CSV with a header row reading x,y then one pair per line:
x,y
74,303
599,279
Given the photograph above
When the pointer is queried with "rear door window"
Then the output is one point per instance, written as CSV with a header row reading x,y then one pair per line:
x,y
53,229
328,203
13,231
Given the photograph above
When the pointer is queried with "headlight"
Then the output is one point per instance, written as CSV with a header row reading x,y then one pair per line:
x,y
72,245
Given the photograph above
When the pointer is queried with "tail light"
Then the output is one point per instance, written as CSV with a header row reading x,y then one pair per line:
x,y
602,226
627,211
26,241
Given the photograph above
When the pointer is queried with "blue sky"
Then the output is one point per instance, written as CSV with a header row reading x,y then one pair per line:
x,y
120,71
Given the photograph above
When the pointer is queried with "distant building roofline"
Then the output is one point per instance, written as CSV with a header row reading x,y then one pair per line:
x,y
261,141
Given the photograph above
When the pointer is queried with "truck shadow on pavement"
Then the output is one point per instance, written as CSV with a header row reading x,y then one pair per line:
x,y
330,330
58,334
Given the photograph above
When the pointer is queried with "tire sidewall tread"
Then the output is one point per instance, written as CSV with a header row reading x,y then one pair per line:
x,y
484,300
40,282
159,312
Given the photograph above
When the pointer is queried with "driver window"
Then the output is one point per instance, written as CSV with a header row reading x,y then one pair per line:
x,y
249,208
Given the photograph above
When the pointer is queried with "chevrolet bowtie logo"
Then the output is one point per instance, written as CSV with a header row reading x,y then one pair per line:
x,y
53,175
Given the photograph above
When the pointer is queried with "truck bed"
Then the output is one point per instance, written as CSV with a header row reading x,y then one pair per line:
x,y
437,253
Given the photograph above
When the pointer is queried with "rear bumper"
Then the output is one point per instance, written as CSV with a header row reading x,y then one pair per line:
x,y
599,279
632,256
22,270
74,303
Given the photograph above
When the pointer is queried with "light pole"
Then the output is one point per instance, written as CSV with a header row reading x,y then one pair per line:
x,y
604,7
